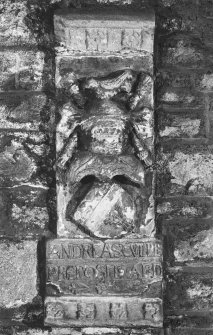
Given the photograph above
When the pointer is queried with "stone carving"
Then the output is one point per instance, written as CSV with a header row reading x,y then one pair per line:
x,y
105,131
85,33
79,267
105,267
104,311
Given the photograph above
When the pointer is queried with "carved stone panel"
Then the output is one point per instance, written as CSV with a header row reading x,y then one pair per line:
x,y
109,31
93,267
105,267
104,311
105,155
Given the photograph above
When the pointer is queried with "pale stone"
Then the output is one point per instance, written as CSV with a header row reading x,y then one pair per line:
x,y
184,127
194,171
32,216
199,247
16,164
207,82
106,211
21,70
13,27
18,280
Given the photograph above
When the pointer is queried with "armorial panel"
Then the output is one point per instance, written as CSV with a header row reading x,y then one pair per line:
x,y
104,268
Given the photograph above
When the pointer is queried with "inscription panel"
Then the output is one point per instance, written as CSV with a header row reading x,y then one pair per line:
x,y
104,311
104,32
79,267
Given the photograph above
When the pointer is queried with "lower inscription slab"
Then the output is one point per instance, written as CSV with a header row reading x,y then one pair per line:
x,y
103,311
111,267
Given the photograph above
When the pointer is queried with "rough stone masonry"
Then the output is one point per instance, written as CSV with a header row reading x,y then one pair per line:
x,y
105,184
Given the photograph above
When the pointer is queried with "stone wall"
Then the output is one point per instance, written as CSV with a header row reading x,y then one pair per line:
x,y
184,161
184,119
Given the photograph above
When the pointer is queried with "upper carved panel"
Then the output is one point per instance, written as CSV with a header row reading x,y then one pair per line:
x,y
108,32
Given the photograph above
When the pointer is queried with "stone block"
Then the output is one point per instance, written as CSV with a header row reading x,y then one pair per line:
x,y
205,8
119,267
180,98
99,66
25,211
191,331
18,330
25,158
182,52
24,111
184,207
205,25
106,32
189,291
209,112
13,24
176,79
178,17
18,280
104,311
189,322
186,224
21,70
180,123
184,170
188,241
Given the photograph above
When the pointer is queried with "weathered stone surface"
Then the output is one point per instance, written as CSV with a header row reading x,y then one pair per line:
x,y
25,157
24,211
119,267
189,290
183,52
188,241
99,144
179,97
107,211
107,311
187,228
182,171
180,124
16,165
21,70
104,153
13,25
99,66
18,280
187,321
18,330
105,32
191,331
184,207
199,80
24,111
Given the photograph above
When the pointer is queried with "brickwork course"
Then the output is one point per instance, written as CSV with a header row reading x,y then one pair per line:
x,y
183,59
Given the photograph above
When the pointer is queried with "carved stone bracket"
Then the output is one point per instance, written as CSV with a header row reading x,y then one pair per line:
x,y
106,243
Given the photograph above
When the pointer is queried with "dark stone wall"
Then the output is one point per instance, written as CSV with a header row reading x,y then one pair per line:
x,y
184,161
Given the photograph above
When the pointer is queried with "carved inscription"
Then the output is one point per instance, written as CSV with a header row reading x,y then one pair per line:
x,y
113,267
104,32
95,311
